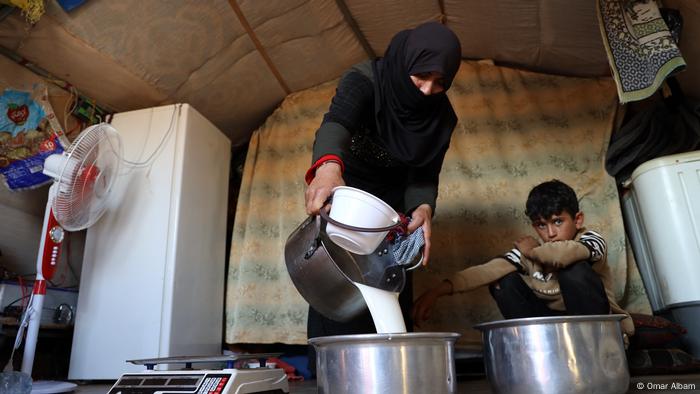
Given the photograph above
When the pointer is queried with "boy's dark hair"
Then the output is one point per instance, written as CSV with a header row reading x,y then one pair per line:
x,y
551,198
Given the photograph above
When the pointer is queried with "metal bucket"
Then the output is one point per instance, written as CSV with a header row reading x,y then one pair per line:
x,y
556,355
386,363
324,273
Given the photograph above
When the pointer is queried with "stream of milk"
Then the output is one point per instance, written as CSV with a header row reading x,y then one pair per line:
x,y
385,309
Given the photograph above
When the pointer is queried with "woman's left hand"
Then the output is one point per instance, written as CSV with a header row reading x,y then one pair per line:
x,y
421,217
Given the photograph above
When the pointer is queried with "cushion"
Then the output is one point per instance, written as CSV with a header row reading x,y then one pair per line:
x,y
655,332
661,361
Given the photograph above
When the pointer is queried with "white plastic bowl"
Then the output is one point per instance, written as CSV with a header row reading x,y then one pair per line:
x,y
357,208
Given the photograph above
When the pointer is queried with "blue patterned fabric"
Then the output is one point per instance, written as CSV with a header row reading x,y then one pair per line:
x,y
641,50
407,249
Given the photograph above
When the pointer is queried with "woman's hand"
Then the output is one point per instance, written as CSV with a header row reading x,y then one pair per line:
x,y
422,217
423,306
328,176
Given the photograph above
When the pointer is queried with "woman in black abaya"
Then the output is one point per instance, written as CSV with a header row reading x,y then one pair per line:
x,y
386,132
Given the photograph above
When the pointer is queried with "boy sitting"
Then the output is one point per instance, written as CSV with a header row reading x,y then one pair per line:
x,y
567,274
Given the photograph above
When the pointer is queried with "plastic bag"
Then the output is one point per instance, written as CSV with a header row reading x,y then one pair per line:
x,y
29,132
13,382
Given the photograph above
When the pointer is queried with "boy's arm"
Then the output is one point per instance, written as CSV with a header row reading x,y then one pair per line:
x,y
590,247
462,281
483,274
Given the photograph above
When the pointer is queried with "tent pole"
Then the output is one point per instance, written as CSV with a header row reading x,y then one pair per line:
x,y
258,45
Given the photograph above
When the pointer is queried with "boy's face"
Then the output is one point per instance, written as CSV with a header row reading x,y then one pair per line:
x,y
561,227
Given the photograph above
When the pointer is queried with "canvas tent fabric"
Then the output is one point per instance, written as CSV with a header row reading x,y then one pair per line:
x,y
516,129
134,54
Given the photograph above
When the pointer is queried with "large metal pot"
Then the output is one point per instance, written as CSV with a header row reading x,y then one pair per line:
x,y
561,354
386,363
324,273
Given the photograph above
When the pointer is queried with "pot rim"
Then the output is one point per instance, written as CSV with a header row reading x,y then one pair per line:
x,y
374,338
548,320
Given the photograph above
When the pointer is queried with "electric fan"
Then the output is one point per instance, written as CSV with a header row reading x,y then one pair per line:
x,y
83,177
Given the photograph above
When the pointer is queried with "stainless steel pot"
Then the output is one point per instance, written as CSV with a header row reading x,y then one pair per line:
x,y
386,363
323,272
562,354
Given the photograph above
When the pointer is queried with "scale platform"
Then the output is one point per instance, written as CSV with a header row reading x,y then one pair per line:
x,y
229,380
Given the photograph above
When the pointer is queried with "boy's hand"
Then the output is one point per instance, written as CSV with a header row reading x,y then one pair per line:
x,y
423,306
422,216
526,244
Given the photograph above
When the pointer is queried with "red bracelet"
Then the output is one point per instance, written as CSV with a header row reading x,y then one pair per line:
x,y
311,172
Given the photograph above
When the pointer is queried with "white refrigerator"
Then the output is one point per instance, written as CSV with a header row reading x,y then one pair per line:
x,y
152,282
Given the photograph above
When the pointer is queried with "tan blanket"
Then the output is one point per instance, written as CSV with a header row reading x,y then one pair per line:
x,y
515,129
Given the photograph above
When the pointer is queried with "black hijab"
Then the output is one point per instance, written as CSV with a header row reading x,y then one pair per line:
x,y
415,128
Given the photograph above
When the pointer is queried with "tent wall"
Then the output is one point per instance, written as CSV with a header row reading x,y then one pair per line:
x,y
690,36
235,60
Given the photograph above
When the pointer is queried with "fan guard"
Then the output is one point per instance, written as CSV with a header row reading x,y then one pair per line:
x,y
90,167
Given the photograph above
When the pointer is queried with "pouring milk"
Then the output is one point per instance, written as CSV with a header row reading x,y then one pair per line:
x,y
385,309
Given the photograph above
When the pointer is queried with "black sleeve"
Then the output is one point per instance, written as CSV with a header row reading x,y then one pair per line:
x,y
422,187
353,97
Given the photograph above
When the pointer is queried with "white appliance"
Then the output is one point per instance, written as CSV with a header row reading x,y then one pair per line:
x,y
641,250
152,282
666,204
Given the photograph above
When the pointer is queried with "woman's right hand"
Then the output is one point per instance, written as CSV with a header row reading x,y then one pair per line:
x,y
328,176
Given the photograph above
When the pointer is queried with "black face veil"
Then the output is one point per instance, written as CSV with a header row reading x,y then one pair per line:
x,y
415,127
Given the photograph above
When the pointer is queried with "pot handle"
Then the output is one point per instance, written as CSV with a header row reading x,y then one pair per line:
x,y
327,218
315,244
416,265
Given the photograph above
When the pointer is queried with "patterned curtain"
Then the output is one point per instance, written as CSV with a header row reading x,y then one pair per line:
x,y
516,129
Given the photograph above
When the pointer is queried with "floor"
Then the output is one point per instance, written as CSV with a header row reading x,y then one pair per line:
x,y
659,384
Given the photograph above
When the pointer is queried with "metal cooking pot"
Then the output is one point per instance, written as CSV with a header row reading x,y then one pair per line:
x,y
560,354
386,363
323,272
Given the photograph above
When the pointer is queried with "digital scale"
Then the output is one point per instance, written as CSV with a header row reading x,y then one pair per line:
x,y
230,380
